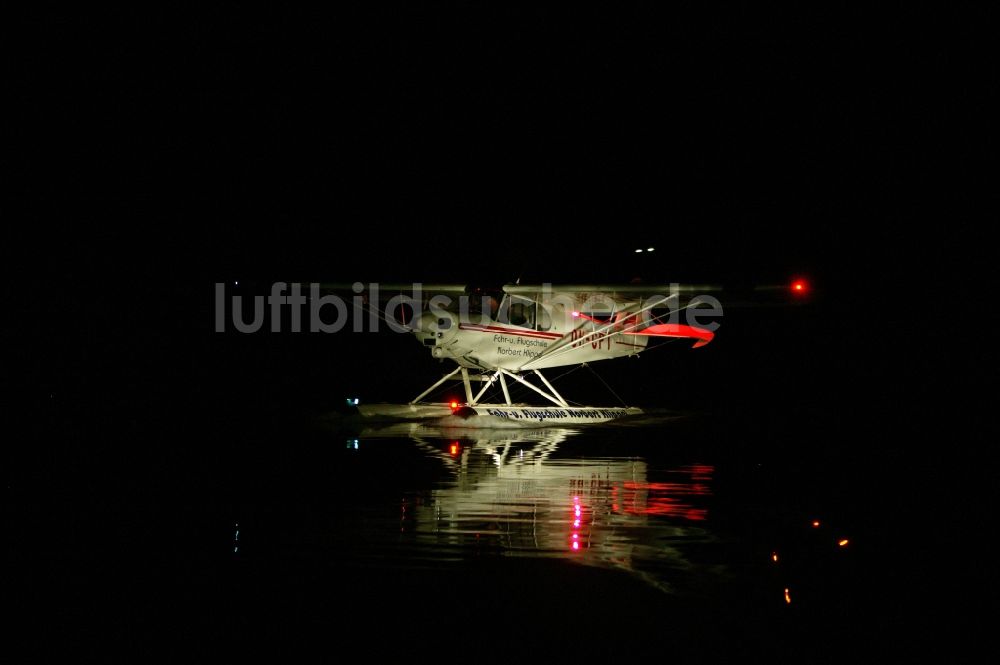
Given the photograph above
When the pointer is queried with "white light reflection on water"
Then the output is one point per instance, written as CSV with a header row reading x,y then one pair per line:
x,y
526,493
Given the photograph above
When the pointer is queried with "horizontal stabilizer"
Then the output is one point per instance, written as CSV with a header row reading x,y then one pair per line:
x,y
676,330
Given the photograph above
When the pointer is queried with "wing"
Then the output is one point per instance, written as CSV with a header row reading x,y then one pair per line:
x,y
621,290
797,292
389,289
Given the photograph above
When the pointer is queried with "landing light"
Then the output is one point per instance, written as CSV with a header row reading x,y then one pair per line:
x,y
638,251
843,542
651,249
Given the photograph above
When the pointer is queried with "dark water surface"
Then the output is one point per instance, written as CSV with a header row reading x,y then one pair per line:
x,y
667,535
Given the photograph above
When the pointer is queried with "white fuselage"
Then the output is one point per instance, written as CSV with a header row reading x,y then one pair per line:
x,y
512,348
549,337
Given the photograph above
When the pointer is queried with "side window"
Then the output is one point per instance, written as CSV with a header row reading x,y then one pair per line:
x,y
599,318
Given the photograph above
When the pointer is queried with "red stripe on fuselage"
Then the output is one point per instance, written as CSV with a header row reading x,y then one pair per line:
x,y
510,331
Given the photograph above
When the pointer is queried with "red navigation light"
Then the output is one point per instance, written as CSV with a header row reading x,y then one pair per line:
x,y
843,542
575,314
799,287
454,405
815,523
454,449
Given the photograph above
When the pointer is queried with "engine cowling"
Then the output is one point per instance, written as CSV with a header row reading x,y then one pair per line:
x,y
436,329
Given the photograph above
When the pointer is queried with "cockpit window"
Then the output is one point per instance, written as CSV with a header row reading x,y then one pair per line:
x,y
517,312
522,314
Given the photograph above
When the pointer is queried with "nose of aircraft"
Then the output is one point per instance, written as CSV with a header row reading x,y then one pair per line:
x,y
436,328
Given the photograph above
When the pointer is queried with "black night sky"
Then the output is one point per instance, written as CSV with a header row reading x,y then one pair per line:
x,y
217,144
158,153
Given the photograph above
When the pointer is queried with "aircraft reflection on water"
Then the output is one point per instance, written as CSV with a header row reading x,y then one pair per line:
x,y
512,495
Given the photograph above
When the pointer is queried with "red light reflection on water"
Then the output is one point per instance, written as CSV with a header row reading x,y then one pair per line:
x,y
575,533
639,498
666,498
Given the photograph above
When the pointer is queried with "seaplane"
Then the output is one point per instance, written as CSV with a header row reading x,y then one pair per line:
x,y
505,337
